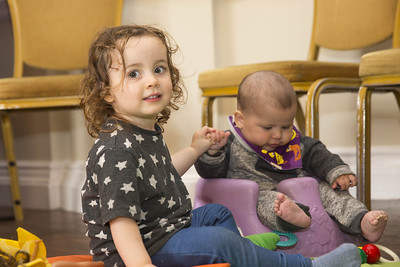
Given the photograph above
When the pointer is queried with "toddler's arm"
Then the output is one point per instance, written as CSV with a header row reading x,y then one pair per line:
x,y
345,181
202,140
127,239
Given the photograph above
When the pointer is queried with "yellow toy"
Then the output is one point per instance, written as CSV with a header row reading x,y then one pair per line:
x,y
29,250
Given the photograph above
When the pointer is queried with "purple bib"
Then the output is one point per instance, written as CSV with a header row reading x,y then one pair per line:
x,y
285,157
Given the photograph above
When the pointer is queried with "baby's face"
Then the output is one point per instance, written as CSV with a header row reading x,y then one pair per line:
x,y
268,128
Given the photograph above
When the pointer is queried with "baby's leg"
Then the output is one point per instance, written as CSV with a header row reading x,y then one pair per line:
x,y
290,212
373,224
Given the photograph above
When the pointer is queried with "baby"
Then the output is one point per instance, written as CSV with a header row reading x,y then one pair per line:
x,y
264,146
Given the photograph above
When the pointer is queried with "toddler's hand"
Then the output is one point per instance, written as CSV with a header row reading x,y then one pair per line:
x,y
218,139
345,181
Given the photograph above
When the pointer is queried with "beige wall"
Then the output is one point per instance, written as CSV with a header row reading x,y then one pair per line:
x,y
215,33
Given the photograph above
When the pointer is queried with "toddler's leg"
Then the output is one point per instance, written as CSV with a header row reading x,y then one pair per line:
x,y
373,224
345,255
214,215
290,212
214,244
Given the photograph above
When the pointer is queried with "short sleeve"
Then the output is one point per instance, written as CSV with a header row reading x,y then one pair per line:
x,y
119,189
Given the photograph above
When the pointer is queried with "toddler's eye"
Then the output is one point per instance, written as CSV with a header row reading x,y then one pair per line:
x,y
134,74
159,70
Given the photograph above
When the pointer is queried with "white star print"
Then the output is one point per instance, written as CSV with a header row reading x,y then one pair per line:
x,y
99,149
105,251
132,210
142,161
92,222
172,178
127,188
148,235
153,181
139,138
107,180
114,133
155,138
94,178
102,159
121,165
170,228
93,203
171,203
127,143
97,140
163,159
110,204
143,215
87,162
139,173
161,200
101,235
83,192
163,222
154,158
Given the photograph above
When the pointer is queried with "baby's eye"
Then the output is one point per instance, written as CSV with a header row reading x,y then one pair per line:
x,y
134,74
159,70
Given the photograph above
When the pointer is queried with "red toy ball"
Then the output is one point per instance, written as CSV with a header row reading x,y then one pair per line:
x,y
373,253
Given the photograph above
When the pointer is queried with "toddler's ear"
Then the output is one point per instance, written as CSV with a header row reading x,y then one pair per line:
x,y
238,115
109,98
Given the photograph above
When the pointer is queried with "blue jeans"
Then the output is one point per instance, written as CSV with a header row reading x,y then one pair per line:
x,y
213,237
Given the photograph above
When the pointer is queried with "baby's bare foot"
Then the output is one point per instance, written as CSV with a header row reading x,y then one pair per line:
x,y
290,212
373,224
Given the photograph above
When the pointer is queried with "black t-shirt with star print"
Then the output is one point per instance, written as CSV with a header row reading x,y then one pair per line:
x,y
130,174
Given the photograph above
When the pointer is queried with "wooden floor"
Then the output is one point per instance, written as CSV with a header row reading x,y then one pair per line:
x,y
64,233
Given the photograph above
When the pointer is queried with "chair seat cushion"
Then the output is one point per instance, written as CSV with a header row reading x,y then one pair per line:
x,y
378,63
40,86
295,71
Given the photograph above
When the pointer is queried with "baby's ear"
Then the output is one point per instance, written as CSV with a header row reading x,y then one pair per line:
x,y
238,115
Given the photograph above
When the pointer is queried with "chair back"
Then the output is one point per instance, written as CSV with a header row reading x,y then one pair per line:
x,y
56,35
355,24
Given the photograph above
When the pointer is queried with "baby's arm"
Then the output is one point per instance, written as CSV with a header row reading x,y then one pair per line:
x,y
202,140
345,181
127,239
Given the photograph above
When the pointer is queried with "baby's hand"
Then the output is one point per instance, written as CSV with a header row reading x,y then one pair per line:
x,y
345,181
218,139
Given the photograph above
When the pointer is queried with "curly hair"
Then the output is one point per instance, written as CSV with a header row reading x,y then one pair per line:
x,y
96,82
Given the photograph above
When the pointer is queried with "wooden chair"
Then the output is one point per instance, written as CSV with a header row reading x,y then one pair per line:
x,y
364,34
379,72
338,25
55,36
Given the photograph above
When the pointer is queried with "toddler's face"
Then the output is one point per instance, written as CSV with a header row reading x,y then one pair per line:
x,y
267,128
142,90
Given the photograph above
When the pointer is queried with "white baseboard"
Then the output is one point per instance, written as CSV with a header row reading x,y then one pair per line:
x,y
57,185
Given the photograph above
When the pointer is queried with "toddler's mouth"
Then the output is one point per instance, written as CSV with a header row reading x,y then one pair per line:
x,y
152,97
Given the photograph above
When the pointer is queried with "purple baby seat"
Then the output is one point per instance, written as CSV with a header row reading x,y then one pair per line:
x,y
240,196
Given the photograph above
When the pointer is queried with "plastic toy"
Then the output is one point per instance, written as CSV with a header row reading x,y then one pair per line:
x,y
373,253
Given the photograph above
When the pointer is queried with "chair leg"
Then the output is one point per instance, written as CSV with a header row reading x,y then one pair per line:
x,y
314,92
207,119
364,145
396,93
12,166
300,118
